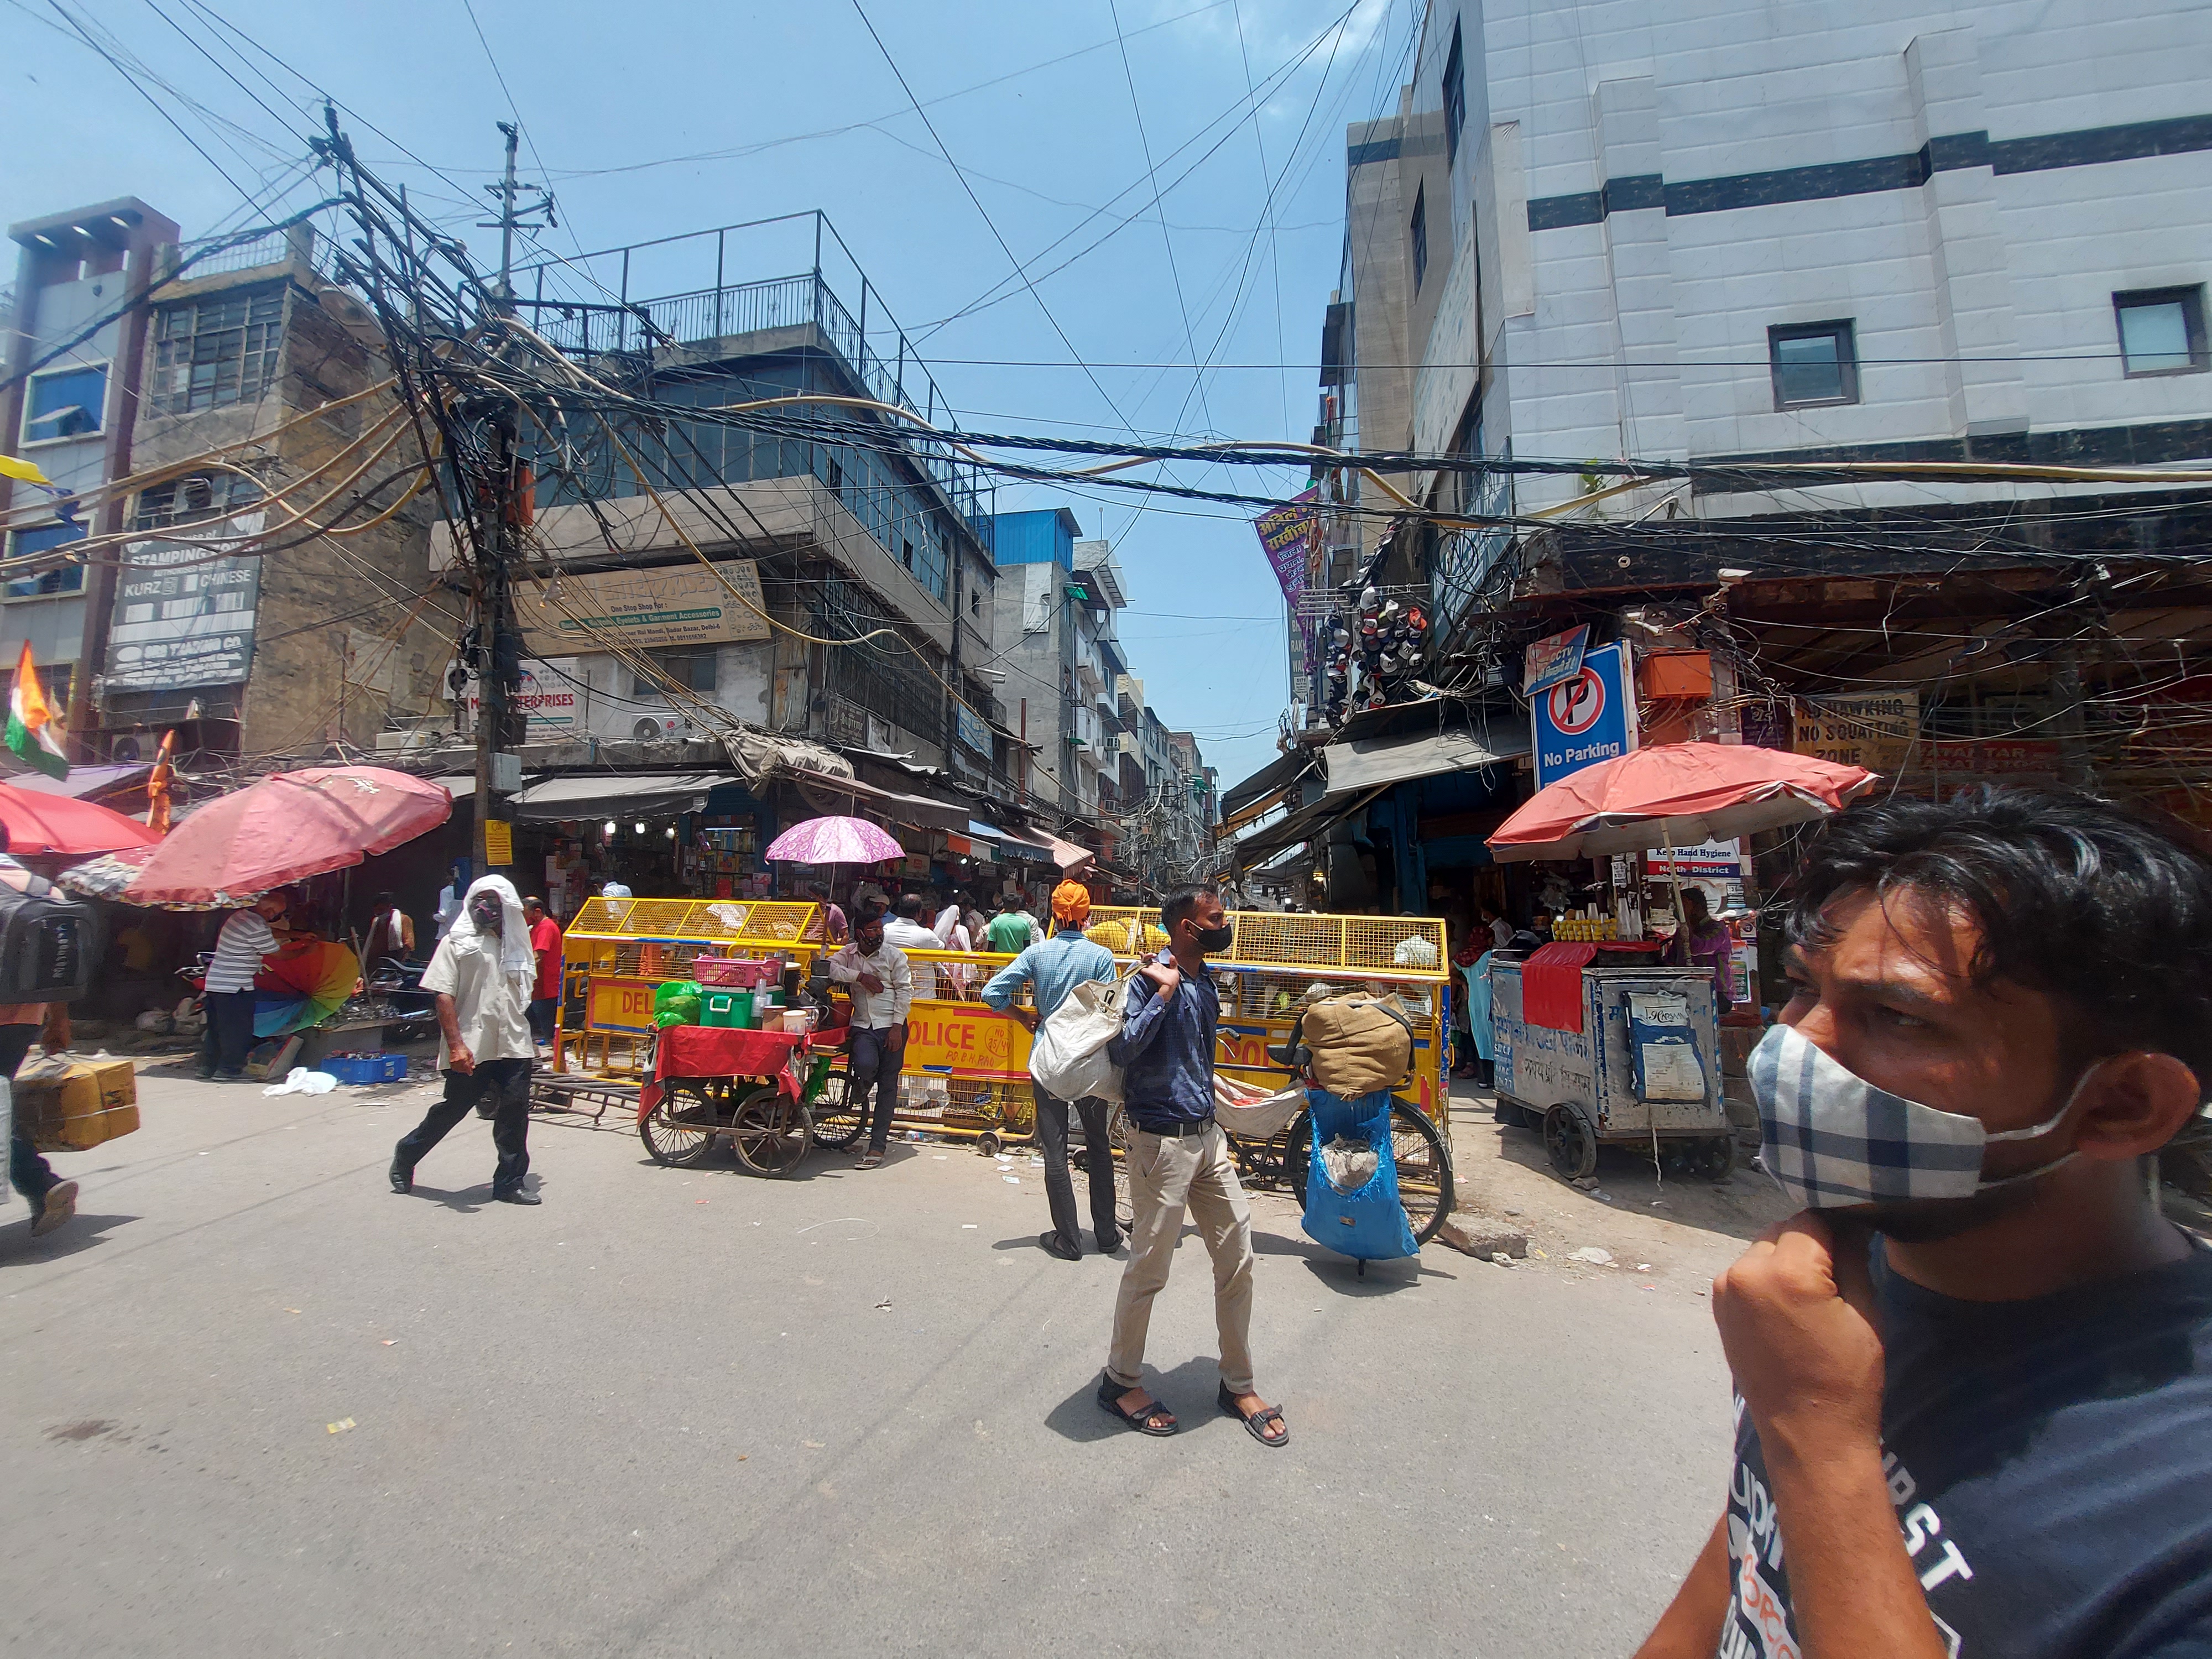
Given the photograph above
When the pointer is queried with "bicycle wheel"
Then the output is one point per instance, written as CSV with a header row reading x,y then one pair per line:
x,y
1117,1141
837,1120
770,1132
1424,1172
680,1131
1297,1144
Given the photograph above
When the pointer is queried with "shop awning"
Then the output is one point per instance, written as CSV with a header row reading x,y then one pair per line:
x,y
1265,786
461,786
589,796
1308,821
84,782
1377,762
923,812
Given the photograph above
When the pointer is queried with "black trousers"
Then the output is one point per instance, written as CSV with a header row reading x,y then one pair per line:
x,y
1059,1188
871,1063
31,1175
228,1037
508,1081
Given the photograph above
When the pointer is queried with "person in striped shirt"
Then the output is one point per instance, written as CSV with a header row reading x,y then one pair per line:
x,y
248,936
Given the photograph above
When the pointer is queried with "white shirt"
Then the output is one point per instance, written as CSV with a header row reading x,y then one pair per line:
x,y
449,907
913,936
876,1010
492,1014
947,919
244,939
615,890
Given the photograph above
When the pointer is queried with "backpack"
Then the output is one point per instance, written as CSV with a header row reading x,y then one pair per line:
x,y
1359,1043
49,946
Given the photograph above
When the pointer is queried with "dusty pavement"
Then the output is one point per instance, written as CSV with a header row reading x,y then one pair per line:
x,y
260,1405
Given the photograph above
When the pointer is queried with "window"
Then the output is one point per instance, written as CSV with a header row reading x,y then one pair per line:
x,y
907,549
1814,363
1455,97
1420,236
66,578
974,603
65,402
2161,331
690,666
217,351
190,499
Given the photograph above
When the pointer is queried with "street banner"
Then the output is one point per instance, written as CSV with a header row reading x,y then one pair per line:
x,y
1557,659
1587,718
1286,533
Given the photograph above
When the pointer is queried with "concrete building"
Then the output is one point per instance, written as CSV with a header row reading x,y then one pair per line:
x,y
75,417
1057,648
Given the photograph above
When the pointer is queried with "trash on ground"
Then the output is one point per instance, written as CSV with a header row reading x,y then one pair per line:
x,y
301,1081
1593,1254
338,1427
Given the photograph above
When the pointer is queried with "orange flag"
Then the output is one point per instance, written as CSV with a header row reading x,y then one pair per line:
x,y
157,786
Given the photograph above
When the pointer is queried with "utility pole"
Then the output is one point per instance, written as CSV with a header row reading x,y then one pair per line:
x,y
502,512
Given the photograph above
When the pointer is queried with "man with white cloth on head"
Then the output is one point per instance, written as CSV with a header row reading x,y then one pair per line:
x,y
482,976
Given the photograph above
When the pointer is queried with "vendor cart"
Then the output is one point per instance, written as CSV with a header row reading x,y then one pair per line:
x,y
756,1089
1596,1056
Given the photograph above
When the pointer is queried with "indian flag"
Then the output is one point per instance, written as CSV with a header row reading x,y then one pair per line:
x,y
33,731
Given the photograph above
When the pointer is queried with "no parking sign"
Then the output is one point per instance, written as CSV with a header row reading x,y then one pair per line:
x,y
1588,718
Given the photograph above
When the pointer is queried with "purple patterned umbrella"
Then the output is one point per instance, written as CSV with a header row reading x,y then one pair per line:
x,y
834,840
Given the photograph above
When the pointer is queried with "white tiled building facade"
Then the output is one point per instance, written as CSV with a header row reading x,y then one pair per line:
x,y
1649,191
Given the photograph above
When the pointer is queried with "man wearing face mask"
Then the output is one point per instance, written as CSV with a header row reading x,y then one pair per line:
x,y
1178,1160
1974,1376
483,975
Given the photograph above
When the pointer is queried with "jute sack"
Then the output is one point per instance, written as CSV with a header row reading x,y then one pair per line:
x,y
1360,1043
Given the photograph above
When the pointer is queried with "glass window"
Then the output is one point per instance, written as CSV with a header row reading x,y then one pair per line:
x,y
218,350
1420,236
1814,363
689,667
65,402
2162,330
1455,97
190,499
67,579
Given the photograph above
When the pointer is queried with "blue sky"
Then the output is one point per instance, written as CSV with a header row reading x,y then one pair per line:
x,y
654,118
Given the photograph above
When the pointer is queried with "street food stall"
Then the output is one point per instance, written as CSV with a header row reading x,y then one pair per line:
x,y
1596,1041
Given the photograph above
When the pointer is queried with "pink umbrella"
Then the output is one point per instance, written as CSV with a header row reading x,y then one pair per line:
x,y
40,825
834,840
285,829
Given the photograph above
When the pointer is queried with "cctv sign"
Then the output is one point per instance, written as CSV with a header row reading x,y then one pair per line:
x,y
1587,718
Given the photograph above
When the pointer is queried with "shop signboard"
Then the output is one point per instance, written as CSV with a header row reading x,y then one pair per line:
x,y
1588,718
970,728
1875,730
551,703
1557,659
182,617
668,605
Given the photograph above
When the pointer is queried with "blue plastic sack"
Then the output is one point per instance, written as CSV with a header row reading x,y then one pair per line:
x,y
1367,1222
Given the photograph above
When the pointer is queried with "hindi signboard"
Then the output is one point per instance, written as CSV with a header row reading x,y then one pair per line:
x,y
666,605
1286,535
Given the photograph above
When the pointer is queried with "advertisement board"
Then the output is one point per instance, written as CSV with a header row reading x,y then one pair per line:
x,y
1559,658
1588,718
970,728
668,605
182,617
1286,535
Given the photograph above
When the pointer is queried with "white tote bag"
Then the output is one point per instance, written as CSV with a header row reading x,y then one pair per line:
x,y
1067,1056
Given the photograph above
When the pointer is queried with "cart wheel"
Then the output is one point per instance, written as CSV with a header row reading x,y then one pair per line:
x,y
1569,1144
837,1120
681,1130
770,1132
1425,1171
1714,1156
988,1144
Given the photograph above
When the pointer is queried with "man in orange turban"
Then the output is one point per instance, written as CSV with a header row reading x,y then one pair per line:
x,y
1071,904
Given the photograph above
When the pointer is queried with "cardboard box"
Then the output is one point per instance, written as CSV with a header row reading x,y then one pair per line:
x,y
78,1109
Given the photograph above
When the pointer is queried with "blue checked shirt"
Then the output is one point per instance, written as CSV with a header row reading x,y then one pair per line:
x,y
1052,967
1165,1052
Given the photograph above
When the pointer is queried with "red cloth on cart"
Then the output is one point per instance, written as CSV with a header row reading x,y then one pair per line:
x,y
721,1051
1551,984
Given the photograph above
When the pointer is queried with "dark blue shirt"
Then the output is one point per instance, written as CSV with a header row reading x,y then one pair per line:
x,y
2050,1462
1165,1051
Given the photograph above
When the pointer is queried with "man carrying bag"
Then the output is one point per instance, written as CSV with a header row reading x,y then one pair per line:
x,y
1054,968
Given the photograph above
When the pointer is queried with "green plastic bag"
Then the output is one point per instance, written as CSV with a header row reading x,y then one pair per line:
x,y
677,1003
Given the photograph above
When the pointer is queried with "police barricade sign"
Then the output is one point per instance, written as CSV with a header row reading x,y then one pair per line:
x,y
1587,718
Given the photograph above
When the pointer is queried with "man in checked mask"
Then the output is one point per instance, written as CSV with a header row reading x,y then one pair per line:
x,y
1973,1375
483,975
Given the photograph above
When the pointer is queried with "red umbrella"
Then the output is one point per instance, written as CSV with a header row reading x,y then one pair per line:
x,y
1675,794
285,829
57,826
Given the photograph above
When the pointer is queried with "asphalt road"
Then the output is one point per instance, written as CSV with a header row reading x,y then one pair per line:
x,y
258,1405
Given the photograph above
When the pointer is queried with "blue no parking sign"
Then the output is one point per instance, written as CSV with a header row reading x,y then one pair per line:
x,y
1587,718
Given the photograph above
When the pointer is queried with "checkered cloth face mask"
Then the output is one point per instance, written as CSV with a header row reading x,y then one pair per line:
x,y
1832,1139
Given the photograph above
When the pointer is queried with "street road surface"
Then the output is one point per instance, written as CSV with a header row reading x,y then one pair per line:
x,y
260,1405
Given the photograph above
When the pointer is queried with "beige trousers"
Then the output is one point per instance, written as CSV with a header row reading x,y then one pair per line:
x,y
1167,1175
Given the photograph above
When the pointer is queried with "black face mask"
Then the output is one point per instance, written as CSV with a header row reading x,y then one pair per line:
x,y
1211,940
487,915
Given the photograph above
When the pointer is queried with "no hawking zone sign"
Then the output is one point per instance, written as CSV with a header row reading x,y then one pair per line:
x,y
1588,718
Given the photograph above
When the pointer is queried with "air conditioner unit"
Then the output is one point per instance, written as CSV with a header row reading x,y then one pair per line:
x,y
660,728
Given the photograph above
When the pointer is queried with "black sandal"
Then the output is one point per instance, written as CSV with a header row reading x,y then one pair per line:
x,y
1258,1420
1145,1422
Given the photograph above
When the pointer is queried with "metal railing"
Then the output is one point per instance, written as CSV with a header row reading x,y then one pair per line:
x,y
276,247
